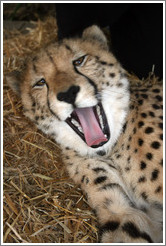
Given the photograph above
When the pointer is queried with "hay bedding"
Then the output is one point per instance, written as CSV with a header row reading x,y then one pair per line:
x,y
41,203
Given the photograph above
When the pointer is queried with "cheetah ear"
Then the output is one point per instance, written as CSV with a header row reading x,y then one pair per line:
x,y
14,80
95,33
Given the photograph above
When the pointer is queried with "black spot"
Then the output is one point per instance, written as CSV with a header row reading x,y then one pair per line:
x,y
131,229
87,180
129,139
155,106
112,75
118,156
109,226
68,47
128,159
151,114
101,152
161,162
160,125
132,120
159,98
136,150
99,169
34,104
149,156
134,130
111,64
140,102
149,130
161,136
103,62
144,115
144,195
83,177
128,147
127,169
142,179
136,95
100,179
36,118
144,90
124,127
142,165
154,174
107,83
145,96
67,157
140,124
140,142
119,84
158,189
156,91
110,186
131,107
161,117
155,145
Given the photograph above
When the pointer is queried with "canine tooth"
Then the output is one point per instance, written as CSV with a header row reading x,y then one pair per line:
x,y
101,121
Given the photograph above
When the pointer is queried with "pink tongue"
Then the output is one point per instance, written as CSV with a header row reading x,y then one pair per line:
x,y
92,131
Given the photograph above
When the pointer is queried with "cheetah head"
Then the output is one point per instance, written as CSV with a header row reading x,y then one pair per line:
x,y
76,92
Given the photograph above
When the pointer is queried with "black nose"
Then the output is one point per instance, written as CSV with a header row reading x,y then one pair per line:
x,y
69,96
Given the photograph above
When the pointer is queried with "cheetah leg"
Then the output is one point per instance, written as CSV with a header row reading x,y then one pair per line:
x,y
119,219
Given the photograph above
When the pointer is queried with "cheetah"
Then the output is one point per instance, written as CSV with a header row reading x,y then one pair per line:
x,y
109,129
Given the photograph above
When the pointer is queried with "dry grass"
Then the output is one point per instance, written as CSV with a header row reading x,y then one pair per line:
x,y
41,203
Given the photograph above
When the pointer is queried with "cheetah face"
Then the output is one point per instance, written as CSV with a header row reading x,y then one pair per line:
x,y
76,92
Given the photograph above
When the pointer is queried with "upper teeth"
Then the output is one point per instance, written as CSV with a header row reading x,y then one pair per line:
x,y
98,110
100,117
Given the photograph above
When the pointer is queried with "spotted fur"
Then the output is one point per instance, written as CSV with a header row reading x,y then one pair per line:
x,y
123,177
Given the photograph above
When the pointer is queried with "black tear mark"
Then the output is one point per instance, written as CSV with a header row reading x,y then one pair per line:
x,y
88,79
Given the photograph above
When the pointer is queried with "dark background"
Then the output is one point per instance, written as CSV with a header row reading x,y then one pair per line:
x,y
136,29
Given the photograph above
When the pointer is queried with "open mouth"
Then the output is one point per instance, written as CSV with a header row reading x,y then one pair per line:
x,y
91,125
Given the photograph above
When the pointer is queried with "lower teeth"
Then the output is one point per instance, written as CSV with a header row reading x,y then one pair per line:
x,y
77,125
